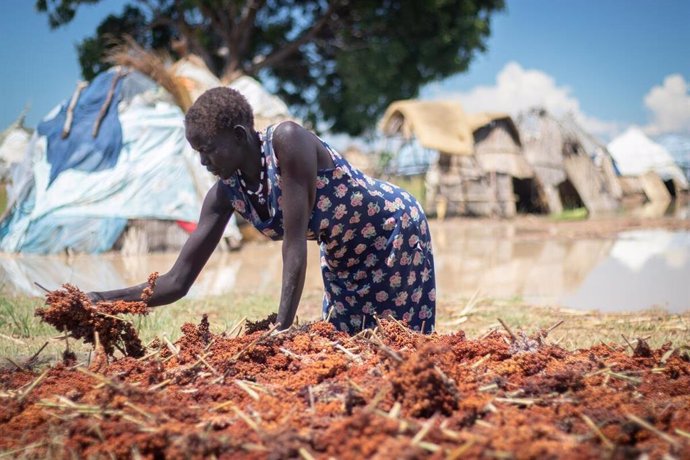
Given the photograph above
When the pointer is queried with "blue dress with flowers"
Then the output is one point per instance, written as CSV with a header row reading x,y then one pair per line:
x,y
376,256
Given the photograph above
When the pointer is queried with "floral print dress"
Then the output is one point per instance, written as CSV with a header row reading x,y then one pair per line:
x,y
376,256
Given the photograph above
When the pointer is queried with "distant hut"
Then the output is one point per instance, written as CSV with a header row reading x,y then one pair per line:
x,y
571,167
498,150
645,166
467,163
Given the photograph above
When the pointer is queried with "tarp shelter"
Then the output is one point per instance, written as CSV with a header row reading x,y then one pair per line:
x,y
268,109
14,141
678,145
468,162
571,167
113,154
636,154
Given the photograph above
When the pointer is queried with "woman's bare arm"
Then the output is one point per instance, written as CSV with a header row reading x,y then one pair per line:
x,y
172,286
296,151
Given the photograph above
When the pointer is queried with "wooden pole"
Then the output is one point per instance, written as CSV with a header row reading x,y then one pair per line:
x,y
70,108
106,104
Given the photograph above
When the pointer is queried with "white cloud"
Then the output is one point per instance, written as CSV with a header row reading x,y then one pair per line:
x,y
669,105
518,89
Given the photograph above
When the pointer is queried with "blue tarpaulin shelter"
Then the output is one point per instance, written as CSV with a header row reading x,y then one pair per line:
x,y
79,193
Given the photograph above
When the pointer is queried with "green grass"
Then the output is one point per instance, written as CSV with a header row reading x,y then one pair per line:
x,y
23,334
571,214
580,329
415,185
17,318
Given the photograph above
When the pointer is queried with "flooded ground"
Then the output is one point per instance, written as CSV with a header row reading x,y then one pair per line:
x,y
611,265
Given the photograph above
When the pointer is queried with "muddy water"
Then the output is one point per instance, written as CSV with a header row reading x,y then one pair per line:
x,y
625,271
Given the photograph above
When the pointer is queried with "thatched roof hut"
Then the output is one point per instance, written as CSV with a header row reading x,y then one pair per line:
x,y
476,158
573,169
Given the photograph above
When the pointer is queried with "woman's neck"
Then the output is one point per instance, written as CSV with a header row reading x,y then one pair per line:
x,y
251,170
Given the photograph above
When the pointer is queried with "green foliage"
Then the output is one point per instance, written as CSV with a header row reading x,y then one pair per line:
x,y
132,22
339,62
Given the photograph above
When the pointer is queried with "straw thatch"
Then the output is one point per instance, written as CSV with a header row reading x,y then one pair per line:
x,y
130,54
438,125
479,157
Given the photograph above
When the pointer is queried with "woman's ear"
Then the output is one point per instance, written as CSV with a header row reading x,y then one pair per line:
x,y
241,133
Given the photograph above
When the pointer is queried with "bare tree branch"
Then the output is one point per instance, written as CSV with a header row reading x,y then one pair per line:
x,y
246,25
240,33
221,26
293,46
186,29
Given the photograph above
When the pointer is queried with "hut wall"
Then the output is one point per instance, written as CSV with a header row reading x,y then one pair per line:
x,y
505,200
553,199
544,151
631,185
542,144
590,183
465,189
497,151
654,188
612,179
633,192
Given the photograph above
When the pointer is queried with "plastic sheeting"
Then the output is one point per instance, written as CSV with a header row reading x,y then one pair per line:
x,y
411,157
153,178
264,104
636,154
80,149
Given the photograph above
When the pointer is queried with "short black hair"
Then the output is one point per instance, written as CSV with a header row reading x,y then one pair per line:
x,y
219,108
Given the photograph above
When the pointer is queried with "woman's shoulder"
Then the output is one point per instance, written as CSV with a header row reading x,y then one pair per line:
x,y
289,132
286,127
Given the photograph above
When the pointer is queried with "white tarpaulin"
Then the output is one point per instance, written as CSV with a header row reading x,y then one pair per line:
x,y
636,154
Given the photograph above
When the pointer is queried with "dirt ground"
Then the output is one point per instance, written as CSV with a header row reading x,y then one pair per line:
x,y
313,392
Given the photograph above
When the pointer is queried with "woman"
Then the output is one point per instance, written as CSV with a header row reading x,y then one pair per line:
x,y
376,256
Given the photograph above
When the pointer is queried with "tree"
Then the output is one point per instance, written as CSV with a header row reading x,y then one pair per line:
x,y
336,61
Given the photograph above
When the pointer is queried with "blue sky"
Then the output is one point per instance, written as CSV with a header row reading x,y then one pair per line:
x,y
612,62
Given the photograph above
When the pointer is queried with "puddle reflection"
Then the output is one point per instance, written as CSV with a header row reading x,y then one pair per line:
x,y
636,270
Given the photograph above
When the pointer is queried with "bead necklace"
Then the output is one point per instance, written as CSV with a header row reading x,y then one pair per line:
x,y
259,196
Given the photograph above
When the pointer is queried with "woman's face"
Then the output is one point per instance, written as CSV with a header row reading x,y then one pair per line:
x,y
220,154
